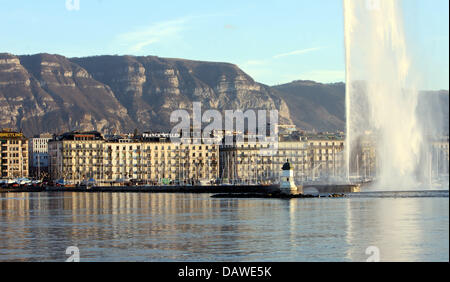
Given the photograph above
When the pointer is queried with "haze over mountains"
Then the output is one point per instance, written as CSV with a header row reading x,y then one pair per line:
x,y
52,93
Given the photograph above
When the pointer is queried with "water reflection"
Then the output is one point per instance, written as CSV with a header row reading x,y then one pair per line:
x,y
190,227
404,229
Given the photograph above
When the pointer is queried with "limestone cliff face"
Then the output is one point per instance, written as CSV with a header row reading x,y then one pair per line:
x,y
50,93
151,87
120,93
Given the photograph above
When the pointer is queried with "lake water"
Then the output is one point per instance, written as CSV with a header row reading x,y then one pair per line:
x,y
195,227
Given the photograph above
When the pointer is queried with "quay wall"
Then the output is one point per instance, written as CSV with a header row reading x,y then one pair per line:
x,y
322,189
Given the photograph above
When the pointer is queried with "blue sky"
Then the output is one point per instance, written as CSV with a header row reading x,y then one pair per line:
x,y
273,41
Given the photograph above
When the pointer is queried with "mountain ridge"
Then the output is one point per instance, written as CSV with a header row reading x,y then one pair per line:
x,y
109,93
45,92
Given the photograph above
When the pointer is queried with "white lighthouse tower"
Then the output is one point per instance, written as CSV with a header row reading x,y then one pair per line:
x,y
287,183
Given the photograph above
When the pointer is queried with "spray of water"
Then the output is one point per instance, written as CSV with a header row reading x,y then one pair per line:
x,y
381,97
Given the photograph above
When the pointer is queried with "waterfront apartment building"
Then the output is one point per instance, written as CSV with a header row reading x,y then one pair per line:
x,y
76,156
247,163
439,157
38,153
365,164
79,157
14,154
312,158
326,157
159,161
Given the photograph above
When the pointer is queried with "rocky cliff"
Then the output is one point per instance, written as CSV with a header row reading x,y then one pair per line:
x,y
119,93
49,93
150,88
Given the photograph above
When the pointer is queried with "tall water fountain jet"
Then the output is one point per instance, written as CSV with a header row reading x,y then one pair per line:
x,y
381,98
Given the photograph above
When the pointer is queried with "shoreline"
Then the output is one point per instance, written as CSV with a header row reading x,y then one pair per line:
x,y
210,189
238,191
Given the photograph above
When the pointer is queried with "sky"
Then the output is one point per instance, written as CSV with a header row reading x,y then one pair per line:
x,y
273,41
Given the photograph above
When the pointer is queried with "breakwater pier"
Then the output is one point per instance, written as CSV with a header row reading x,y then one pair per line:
x,y
214,189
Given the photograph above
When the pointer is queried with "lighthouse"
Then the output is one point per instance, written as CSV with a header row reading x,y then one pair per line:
x,y
287,183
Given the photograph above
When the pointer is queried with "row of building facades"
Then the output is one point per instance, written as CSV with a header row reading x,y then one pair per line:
x,y
151,158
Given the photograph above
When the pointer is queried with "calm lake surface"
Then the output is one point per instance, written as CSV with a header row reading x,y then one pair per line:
x,y
195,227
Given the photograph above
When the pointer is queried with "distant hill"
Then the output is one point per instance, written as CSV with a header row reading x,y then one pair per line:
x,y
321,107
314,105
